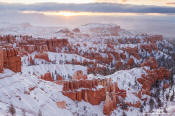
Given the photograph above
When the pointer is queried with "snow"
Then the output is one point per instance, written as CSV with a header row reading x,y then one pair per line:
x,y
17,88
7,73
58,67
64,70
28,29
126,79
66,57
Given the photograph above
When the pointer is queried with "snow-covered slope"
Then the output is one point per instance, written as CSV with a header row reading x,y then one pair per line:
x,y
32,96
29,95
100,51
28,29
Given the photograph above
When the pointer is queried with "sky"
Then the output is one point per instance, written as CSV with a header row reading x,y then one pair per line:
x,y
137,2
152,16
93,6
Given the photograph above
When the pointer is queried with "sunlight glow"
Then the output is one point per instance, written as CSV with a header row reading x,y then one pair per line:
x,y
70,13
63,13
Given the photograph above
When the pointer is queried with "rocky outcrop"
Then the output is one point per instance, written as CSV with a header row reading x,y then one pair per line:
x,y
73,85
78,75
11,59
31,60
59,80
149,47
1,60
61,104
153,75
133,51
29,45
88,92
151,62
76,30
130,62
56,44
129,41
153,38
136,105
123,56
165,86
95,91
108,105
28,48
40,47
47,76
43,56
8,38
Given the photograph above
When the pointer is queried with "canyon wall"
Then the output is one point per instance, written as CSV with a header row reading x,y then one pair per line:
x,y
94,92
10,59
1,60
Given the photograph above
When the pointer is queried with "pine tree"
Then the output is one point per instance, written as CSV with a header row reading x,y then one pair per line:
x,y
12,110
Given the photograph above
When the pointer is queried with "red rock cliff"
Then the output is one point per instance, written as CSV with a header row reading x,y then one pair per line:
x,y
11,59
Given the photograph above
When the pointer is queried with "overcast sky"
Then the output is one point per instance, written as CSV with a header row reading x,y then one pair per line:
x,y
154,16
88,7
138,2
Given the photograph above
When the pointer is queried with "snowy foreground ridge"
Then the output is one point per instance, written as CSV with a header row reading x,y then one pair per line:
x,y
91,70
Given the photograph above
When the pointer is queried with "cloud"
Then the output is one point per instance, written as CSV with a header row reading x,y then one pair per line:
x,y
171,3
88,7
124,0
